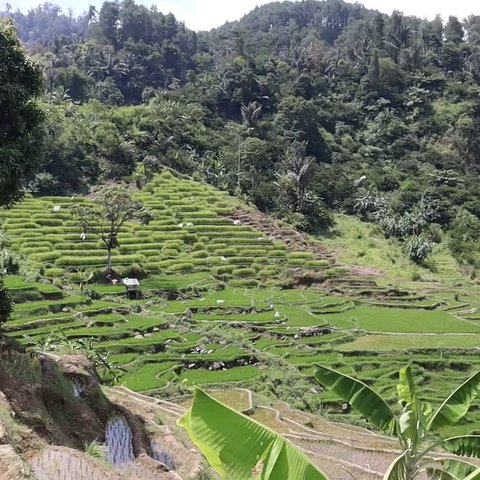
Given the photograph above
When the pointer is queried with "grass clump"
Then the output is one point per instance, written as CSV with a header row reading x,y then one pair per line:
x,y
244,272
95,449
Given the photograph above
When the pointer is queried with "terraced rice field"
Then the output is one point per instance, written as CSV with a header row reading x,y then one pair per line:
x,y
228,337
189,233
214,313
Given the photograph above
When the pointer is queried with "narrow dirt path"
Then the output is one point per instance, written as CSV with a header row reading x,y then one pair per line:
x,y
275,231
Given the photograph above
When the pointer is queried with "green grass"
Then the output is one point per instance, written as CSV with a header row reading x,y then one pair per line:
x,y
410,342
146,377
236,374
396,320
123,358
361,243
13,282
262,317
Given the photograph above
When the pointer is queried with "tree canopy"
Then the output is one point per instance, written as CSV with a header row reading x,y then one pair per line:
x,y
20,117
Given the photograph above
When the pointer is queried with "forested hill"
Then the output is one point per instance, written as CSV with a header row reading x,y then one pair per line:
x,y
301,108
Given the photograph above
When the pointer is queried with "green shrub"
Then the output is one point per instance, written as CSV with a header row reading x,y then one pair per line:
x,y
97,260
21,227
152,266
79,277
53,272
180,267
30,250
202,214
129,247
135,271
318,263
35,244
214,260
149,253
252,251
46,256
243,272
261,260
17,220
200,254
248,283
223,270
226,252
49,222
417,248
332,272
77,246
294,255
225,210
200,261
239,260
276,253
268,272
169,252
95,449
22,295
297,261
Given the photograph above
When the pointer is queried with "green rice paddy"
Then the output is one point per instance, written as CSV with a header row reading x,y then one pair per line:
x,y
211,317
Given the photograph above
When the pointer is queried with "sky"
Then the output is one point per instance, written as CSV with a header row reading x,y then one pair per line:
x,y
207,14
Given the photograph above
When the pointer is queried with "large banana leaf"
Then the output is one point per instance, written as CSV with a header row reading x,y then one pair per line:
x,y
456,405
360,396
239,448
411,420
406,387
440,474
458,468
475,475
465,445
397,469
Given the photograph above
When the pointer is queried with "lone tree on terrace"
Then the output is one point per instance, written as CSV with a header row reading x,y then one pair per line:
x,y
112,206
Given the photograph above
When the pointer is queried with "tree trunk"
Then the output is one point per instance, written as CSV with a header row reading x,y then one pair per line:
x,y
109,260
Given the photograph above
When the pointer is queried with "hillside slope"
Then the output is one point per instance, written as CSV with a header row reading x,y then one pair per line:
x,y
52,411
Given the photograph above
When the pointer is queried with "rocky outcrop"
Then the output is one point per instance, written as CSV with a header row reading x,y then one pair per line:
x,y
52,406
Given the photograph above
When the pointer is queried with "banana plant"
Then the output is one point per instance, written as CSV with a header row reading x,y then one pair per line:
x,y
239,448
416,425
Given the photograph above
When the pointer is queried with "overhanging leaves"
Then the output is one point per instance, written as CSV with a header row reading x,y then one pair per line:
x,y
456,405
360,396
465,445
411,420
397,469
440,474
457,468
237,447
475,475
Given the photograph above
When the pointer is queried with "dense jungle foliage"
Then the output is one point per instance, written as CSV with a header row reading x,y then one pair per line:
x,y
301,108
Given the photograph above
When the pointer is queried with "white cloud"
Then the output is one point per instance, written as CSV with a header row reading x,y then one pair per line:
x,y
207,14
427,8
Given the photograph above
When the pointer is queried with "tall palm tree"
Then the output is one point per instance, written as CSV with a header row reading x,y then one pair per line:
x,y
301,169
251,113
